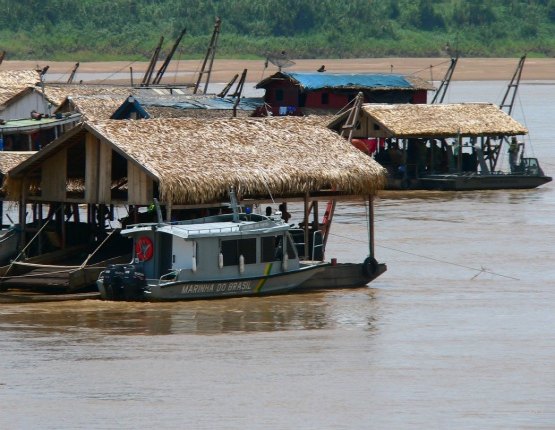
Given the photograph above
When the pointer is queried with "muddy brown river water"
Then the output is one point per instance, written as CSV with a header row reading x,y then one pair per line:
x,y
459,333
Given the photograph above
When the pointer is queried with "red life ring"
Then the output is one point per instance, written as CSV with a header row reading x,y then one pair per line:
x,y
144,248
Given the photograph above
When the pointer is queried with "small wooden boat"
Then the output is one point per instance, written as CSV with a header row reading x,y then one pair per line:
x,y
9,240
67,270
236,254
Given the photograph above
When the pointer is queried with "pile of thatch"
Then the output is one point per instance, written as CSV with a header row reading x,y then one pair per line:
x,y
443,120
197,161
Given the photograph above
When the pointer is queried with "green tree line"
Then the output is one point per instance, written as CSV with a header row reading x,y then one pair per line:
x,y
95,30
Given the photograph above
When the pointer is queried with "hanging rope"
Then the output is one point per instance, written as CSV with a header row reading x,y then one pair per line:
x,y
32,239
429,67
117,71
480,270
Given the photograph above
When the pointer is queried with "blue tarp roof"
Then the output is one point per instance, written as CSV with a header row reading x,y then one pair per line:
x,y
245,103
315,81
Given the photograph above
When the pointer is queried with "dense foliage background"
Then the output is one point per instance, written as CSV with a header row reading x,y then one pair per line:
x,y
94,30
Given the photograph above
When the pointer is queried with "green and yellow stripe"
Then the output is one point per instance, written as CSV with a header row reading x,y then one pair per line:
x,y
261,283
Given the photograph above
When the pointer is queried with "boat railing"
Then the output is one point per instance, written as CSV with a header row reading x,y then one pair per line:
x,y
317,245
212,230
169,277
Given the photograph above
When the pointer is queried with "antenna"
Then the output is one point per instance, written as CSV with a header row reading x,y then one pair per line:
x,y
278,59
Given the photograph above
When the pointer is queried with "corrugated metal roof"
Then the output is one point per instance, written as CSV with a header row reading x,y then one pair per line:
x,y
315,81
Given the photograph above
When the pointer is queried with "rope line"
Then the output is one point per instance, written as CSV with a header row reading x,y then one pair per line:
x,y
480,270
117,71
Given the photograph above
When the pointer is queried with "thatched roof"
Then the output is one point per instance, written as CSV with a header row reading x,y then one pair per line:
x,y
173,112
58,93
198,161
18,78
15,82
96,107
443,120
10,159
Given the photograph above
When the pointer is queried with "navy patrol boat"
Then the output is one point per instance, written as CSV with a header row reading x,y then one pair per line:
x,y
235,254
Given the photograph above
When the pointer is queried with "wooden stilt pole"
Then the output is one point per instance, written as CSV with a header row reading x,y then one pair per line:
x,y
371,225
306,215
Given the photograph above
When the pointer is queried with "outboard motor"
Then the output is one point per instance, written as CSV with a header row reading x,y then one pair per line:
x,y
112,278
134,283
123,282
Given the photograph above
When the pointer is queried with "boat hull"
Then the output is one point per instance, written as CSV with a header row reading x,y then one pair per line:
x,y
469,182
214,288
344,275
481,182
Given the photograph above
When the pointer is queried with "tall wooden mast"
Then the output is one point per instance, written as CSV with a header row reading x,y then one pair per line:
x,y
209,59
162,70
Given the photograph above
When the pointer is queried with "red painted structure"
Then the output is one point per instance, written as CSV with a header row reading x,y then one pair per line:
x,y
286,96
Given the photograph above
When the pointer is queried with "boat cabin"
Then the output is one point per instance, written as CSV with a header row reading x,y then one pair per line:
x,y
301,93
212,246
415,143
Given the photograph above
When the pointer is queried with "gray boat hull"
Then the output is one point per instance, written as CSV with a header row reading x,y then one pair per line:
x,y
469,182
215,288
481,182
344,275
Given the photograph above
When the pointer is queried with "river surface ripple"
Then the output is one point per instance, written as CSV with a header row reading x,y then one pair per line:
x,y
459,333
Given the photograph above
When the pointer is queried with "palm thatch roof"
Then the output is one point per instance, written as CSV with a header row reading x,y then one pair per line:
x,y
443,120
197,161
58,93
173,112
18,78
14,82
10,159
95,107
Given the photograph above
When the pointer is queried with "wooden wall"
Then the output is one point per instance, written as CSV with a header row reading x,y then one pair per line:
x,y
140,186
53,177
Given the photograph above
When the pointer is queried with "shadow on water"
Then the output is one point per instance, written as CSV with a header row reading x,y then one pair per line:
x,y
307,311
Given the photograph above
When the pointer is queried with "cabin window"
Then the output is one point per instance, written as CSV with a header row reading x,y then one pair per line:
x,y
279,95
290,248
232,249
376,126
230,252
269,244
247,248
325,98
